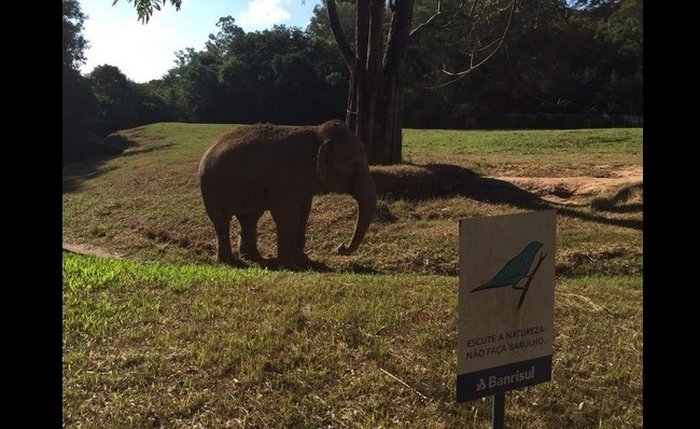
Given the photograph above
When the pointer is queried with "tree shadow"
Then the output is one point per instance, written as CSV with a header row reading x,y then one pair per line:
x,y
313,266
620,201
272,265
74,175
626,208
425,182
637,224
91,164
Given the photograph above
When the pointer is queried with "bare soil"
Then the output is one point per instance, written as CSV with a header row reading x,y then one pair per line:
x,y
89,249
571,190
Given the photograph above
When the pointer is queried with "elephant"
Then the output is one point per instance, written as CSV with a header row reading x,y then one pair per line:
x,y
279,168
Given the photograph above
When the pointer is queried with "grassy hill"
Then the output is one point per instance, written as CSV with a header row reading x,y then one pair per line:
x,y
146,203
169,338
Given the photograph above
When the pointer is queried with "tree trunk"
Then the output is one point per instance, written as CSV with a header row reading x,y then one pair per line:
x,y
379,124
375,102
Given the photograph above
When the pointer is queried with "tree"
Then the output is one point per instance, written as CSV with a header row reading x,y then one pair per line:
x,y
375,59
116,98
201,90
79,116
144,8
79,105
74,44
258,76
375,98
374,105
152,104
266,73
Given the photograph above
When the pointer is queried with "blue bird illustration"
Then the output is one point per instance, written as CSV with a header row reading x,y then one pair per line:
x,y
515,271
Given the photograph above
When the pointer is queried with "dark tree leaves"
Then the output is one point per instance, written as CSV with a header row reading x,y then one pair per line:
x,y
74,43
144,8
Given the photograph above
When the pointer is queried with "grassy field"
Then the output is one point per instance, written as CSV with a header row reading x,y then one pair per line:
x,y
146,204
169,338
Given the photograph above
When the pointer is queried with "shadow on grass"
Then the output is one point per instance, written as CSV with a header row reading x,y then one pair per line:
x,y
313,266
418,182
619,202
272,265
75,174
91,164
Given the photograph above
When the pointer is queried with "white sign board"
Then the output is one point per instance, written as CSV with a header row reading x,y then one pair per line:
x,y
506,302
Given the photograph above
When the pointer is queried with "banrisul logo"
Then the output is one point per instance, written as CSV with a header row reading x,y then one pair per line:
x,y
495,381
502,378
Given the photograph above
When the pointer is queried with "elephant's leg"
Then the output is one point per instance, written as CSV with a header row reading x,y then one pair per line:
x,y
222,227
301,259
286,214
248,241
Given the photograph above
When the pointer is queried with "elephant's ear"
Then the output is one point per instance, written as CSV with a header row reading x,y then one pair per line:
x,y
324,153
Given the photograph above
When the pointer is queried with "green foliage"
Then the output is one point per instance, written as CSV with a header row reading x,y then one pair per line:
x,y
319,26
145,8
74,43
258,76
558,59
152,104
79,106
202,93
125,104
116,99
581,59
627,26
79,109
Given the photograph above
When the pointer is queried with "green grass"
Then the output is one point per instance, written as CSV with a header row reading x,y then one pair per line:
x,y
160,345
170,338
525,142
146,205
526,152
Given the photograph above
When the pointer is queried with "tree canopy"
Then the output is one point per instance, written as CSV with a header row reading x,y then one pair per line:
x,y
74,43
563,64
79,107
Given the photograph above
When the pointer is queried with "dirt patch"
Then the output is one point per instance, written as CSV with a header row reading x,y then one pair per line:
x,y
434,180
89,249
568,190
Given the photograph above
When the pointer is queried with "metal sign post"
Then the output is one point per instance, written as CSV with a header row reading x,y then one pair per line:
x,y
498,410
506,305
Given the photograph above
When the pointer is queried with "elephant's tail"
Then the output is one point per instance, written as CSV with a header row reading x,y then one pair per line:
x,y
212,204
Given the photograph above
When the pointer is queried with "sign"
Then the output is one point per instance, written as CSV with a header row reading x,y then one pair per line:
x,y
506,303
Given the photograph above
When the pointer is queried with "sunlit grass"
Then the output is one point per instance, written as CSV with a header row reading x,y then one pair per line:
x,y
168,345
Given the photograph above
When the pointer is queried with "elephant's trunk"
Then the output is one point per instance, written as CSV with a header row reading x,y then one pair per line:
x,y
365,193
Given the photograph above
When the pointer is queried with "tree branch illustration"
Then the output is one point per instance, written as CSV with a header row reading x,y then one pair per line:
x,y
529,280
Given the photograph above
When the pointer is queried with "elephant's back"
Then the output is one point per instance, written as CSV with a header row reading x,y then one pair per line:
x,y
251,155
255,146
241,146
257,135
230,172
